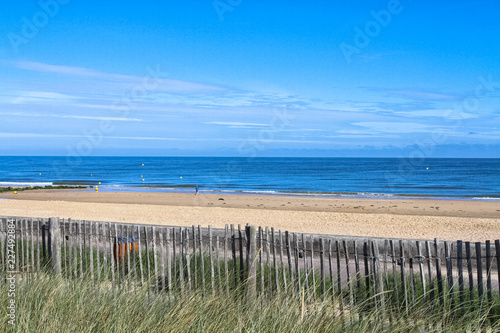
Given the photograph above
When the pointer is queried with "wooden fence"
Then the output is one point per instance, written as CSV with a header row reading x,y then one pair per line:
x,y
259,261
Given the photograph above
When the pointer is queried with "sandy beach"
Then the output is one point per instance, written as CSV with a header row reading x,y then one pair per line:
x,y
395,218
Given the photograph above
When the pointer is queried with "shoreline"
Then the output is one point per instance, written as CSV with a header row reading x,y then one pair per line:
x,y
412,219
188,189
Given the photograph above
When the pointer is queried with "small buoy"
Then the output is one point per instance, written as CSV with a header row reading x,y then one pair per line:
x,y
90,175
141,176
40,173
31,186
142,164
15,192
427,168
99,183
181,177
142,179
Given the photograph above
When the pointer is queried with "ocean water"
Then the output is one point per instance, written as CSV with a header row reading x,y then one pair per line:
x,y
469,179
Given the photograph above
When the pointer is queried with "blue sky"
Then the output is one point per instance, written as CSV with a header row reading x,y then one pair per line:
x,y
250,78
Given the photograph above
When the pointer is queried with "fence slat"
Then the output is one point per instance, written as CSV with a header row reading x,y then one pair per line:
x,y
174,254
226,269
130,249
124,251
233,251
479,264
80,246
97,240
161,246
306,270
91,251
39,226
439,276
289,257
3,242
32,236
139,245
394,271
195,266
460,273
146,252
251,264
404,289
211,254
275,263
188,259
283,270
339,276
322,266
155,257
488,273
297,271
386,273
373,271
202,260
181,259
449,275
356,265
379,277
18,238
366,257
111,257
268,261
497,253
136,245
241,238
169,260
106,264
23,241
422,272
28,259
313,277
330,267
348,272
261,262
217,257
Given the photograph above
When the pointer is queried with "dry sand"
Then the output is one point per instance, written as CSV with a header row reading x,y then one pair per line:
x,y
395,218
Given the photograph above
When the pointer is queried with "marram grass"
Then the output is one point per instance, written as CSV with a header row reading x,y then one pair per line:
x,y
50,304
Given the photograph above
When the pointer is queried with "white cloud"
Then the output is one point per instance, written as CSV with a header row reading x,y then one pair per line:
x,y
164,84
46,115
24,97
235,124
399,127
445,114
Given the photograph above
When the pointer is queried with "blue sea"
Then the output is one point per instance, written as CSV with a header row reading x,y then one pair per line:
x,y
468,179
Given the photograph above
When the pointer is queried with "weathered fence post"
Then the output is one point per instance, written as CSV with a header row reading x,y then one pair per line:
x,y
55,237
251,261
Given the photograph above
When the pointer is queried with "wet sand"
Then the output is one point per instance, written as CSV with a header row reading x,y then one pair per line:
x,y
395,218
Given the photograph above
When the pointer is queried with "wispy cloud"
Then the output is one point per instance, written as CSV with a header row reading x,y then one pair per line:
x,y
419,95
53,115
64,70
165,84
235,124
400,127
24,97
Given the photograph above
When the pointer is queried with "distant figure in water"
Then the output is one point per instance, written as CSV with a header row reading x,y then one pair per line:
x,y
196,189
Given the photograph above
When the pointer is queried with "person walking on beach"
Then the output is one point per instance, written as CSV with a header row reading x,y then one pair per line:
x,y
196,190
